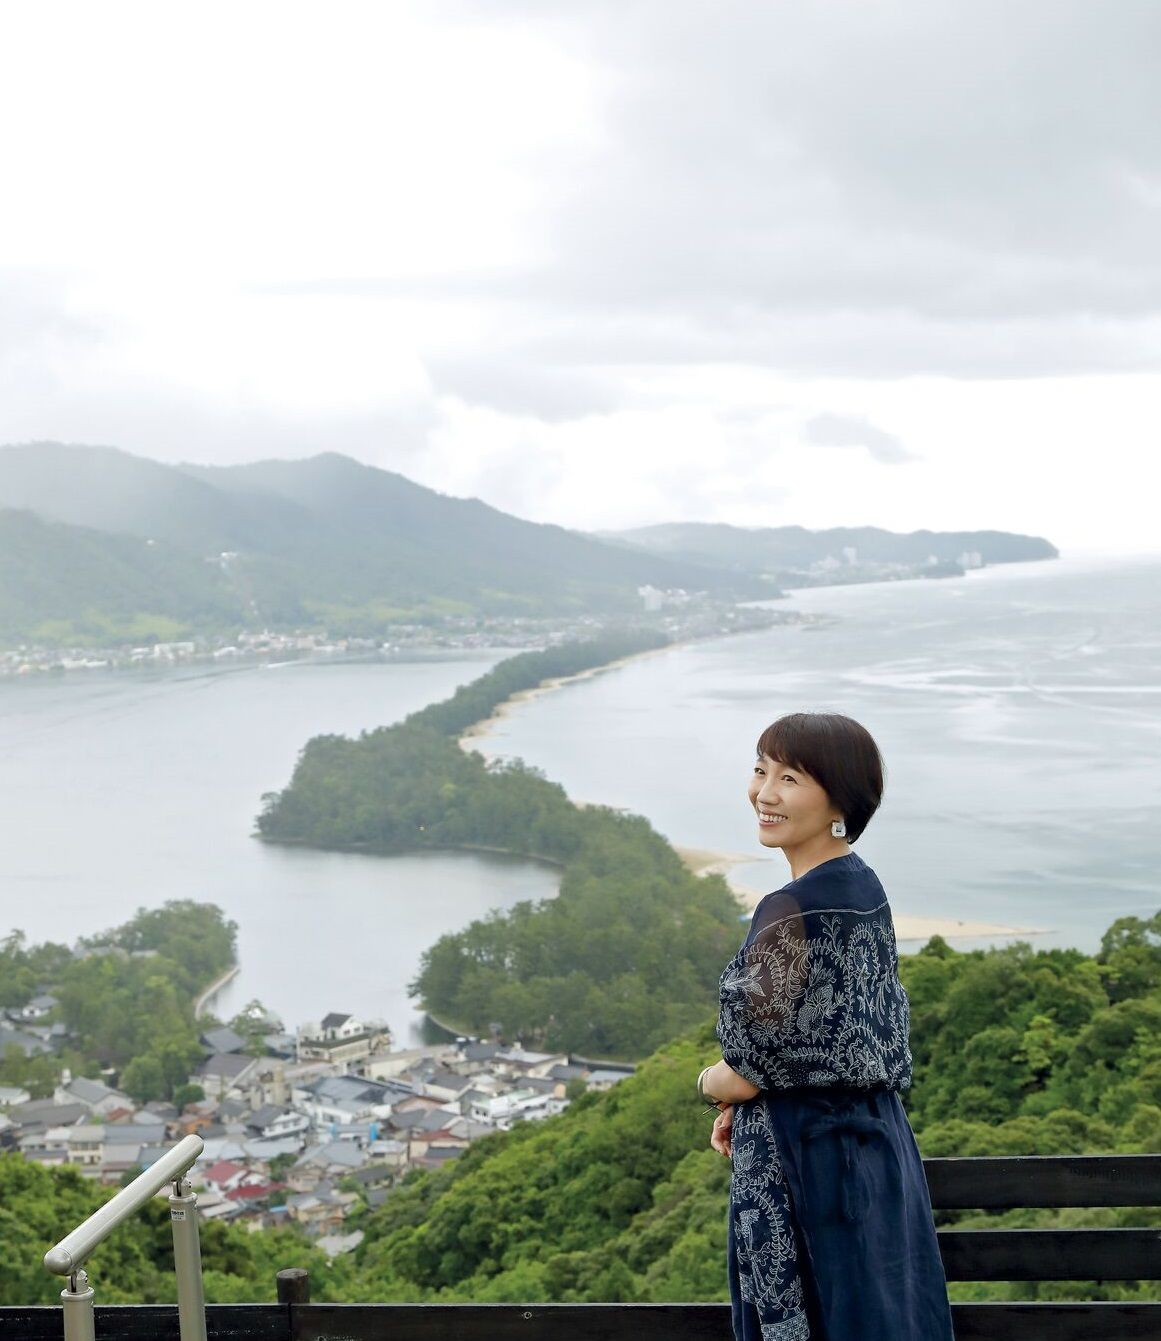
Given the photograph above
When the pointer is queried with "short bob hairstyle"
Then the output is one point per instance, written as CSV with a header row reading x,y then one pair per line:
x,y
838,753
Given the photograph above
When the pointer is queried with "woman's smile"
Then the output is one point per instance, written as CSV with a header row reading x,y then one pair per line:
x,y
771,817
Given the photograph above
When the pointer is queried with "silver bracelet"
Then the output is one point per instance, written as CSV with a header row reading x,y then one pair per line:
x,y
707,1099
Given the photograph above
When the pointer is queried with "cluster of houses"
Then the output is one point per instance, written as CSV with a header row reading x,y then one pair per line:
x,y
324,1121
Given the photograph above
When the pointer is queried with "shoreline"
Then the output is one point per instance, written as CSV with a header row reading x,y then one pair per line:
x,y
204,998
706,861
485,725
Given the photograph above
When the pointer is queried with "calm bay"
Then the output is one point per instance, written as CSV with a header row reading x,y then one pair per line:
x,y
1017,709
121,792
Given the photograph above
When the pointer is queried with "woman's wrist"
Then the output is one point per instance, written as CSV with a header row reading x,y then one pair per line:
x,y
707,1099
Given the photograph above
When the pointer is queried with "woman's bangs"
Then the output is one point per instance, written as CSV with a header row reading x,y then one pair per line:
x,y
784,740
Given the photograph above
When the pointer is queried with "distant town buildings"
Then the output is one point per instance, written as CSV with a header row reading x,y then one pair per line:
x,y
304,1135
679,614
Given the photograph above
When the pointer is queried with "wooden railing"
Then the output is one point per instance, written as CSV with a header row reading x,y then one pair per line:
x,y
968,1255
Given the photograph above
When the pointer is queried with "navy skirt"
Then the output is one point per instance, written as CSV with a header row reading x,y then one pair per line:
x,y
831,1236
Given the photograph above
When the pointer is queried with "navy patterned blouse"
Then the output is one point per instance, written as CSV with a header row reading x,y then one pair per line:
x,y
830,1230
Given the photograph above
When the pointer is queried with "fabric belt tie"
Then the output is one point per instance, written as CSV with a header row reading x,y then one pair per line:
x,y
856,1197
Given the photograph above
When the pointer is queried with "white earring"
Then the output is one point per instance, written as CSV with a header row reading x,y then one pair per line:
x,y
838,829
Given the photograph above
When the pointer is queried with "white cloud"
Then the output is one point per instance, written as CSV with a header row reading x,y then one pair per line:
x,y
602,264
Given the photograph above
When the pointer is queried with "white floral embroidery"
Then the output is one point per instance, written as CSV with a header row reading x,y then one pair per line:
x,y
811,1000
822,1009
763,1234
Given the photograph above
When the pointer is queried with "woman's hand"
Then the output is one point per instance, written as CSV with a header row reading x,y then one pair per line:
x,y
720,1137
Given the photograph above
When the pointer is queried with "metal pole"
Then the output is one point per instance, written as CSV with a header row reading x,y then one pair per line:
x,y
71,1251
187,1262
77,1299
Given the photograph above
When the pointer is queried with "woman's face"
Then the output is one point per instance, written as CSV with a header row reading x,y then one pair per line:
x,y
791,807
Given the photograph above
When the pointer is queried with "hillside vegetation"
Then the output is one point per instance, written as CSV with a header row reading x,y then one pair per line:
x,y
99,547
323,543
77,587
1017,1051
126,997
620,1197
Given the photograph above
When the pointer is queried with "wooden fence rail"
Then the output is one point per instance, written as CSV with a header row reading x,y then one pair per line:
x,y
1131,1254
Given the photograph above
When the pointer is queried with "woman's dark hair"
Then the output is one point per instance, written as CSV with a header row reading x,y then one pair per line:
x,y
838,753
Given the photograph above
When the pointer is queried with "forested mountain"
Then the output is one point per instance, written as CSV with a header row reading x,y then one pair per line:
x,y
782,551
324,542
330,544
69,585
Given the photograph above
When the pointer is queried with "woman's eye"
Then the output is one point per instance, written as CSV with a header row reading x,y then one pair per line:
x,y
787,778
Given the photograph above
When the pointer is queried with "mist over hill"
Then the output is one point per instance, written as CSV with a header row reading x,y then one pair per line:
x,y
319,543
70,585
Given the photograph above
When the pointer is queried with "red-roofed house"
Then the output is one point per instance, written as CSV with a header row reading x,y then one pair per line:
x,y
225,1176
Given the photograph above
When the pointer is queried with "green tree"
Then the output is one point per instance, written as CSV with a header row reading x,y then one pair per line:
x,y
143,1079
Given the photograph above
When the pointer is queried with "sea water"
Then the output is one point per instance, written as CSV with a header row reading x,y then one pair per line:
x,y
1018,709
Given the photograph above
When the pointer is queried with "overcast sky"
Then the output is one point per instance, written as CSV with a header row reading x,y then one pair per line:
x,y
603,264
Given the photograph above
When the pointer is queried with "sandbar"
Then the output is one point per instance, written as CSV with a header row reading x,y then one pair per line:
x,y
705,861
468,741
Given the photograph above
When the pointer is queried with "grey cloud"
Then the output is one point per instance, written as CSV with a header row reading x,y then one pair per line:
x,y
841,430
849,190
948,160
911,187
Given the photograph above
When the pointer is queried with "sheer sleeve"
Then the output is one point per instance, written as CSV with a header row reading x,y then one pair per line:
x,y
813,999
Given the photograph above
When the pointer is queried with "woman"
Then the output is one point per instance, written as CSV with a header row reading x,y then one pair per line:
x,y
830,1230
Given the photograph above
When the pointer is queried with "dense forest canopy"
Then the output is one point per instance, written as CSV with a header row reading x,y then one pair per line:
x,y
626,956
126,997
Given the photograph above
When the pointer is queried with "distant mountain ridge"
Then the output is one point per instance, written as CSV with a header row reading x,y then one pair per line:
x,y
99,546
782,551
322,542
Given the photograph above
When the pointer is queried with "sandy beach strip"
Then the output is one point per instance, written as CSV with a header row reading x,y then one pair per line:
x,y
705,861
471,737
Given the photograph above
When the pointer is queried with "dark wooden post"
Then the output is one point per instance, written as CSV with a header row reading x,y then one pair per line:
x,y
293,1286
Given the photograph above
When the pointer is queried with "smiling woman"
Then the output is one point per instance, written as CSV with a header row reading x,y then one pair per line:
x,y
816,784
830,1228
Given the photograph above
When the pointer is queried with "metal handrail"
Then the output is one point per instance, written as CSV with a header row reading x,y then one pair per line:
x,y
70,1253
68,1256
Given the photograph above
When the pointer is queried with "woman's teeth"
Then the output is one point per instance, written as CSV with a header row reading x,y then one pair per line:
x,y
770,817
